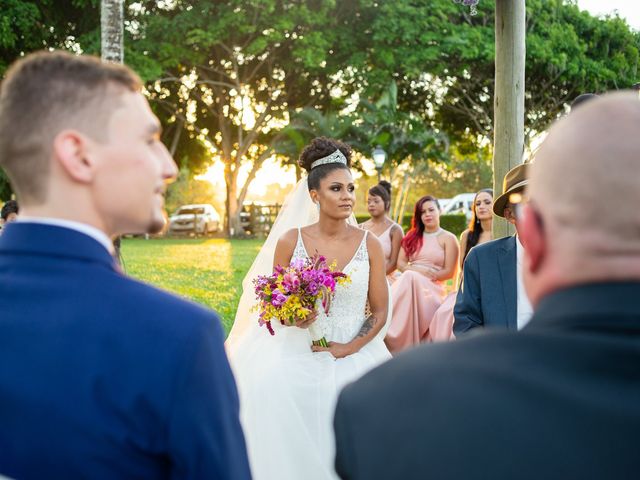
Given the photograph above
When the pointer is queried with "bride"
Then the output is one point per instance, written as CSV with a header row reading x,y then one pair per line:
x,y
288,388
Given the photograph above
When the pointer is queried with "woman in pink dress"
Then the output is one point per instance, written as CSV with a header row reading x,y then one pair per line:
x,y
388,232
479,231
429,256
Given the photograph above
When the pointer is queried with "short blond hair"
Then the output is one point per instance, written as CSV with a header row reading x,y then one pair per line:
x,y
44,94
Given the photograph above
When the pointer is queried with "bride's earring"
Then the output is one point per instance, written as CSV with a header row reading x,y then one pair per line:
x,y
318,205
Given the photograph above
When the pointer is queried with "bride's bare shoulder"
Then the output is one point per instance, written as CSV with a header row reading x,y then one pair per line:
x,y
288,239
357,230
285,247
373,245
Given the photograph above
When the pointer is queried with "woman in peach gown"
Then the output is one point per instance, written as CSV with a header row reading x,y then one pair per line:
x,y
388,232
429,256
479,231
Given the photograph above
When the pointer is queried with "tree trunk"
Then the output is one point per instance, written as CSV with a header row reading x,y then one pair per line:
x,y
179,124
403,205
111,28
233,225
401,199
228,199
508,131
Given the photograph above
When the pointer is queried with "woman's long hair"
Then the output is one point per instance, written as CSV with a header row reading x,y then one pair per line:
x,y
475,225
412,241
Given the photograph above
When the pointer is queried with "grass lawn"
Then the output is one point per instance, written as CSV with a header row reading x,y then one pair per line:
x,y
207,271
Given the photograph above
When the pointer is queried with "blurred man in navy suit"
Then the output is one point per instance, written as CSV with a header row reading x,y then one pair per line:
x,y
101,376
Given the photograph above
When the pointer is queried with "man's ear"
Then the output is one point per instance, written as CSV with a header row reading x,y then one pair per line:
x,y
531,235
71,152
508,215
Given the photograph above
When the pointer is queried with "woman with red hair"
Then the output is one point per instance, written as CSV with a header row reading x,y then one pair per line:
x,y
429,256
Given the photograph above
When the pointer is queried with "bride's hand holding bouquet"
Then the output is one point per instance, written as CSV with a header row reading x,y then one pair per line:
x,y
290,294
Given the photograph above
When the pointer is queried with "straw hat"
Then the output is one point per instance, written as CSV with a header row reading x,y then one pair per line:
x,y
514,181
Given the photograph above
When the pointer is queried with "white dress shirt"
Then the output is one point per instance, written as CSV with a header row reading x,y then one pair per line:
x,y
88,230
524,310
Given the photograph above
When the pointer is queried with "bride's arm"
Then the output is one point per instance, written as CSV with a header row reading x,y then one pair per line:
x,y
282,256
284,248
378,304
378,295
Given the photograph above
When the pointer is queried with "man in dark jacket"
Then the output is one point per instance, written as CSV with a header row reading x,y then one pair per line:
x,y
492,293
558,399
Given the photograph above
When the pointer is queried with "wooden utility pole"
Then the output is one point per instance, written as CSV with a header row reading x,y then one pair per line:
x,y
508,102
112,30
112,50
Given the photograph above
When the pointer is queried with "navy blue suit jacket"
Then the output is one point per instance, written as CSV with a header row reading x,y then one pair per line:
x,y
105,377
557,400
489,293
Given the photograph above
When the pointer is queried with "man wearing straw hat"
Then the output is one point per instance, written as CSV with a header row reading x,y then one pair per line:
x,y
492,294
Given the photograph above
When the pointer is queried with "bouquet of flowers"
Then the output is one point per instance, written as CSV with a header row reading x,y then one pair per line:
x,y
292,292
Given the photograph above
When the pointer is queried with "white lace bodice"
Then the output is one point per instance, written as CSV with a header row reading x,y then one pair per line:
x,y
347,312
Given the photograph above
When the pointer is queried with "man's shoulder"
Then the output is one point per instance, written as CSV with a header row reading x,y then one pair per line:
x,y
442,369
491,247
167,312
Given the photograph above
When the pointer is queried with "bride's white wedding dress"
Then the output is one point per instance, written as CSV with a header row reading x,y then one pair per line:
x,y
288,393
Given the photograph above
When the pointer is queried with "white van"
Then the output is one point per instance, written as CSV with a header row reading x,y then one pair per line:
x,y
461,203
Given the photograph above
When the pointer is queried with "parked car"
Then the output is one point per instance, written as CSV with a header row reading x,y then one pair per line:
x,y
200,219
460,204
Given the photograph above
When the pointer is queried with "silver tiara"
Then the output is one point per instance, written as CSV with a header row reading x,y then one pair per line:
x,y
335,157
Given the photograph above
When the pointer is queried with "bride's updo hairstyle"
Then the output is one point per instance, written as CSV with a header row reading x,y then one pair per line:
x,y
319,151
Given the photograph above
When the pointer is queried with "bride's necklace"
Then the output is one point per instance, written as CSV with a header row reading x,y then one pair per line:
x,y
432,234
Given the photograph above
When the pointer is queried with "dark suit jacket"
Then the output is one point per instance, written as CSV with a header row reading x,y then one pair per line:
x,y
104,377
558,400
489,293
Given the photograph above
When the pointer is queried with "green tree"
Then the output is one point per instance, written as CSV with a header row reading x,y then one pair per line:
x,y
29,25
309,123
204,61
5,186
232,71
443,61
407,139
464,172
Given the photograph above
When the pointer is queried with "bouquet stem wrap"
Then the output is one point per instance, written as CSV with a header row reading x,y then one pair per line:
x,y
316,336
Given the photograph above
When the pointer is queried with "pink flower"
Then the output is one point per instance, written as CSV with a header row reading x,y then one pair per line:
x,y
329,282
291,281
278,298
